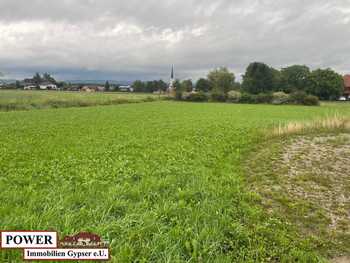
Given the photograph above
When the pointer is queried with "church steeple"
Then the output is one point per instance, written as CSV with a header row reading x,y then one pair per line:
x,y
172,80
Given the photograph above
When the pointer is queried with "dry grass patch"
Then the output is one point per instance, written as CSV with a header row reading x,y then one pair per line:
x,y
330,123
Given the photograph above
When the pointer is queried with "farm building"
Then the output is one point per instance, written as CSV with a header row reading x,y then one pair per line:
x,y
29,84
48,86
347,86
91,88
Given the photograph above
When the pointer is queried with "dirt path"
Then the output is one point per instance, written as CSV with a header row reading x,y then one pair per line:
x,y
306,180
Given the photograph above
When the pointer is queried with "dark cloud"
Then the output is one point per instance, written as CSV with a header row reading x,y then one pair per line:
x,y
141,39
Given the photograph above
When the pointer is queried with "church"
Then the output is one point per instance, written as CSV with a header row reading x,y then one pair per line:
x,y
172,87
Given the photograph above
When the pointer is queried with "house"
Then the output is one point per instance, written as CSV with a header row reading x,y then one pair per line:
x,y
29,87
347,86
48,86
126,88
30,84
91,88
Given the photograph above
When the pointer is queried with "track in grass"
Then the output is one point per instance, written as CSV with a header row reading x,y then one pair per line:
x,y
162,181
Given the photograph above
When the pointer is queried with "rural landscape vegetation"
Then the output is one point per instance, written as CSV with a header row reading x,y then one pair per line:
x,y
215,166
209,184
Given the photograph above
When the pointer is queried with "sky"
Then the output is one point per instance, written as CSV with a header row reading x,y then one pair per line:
x,y
135,39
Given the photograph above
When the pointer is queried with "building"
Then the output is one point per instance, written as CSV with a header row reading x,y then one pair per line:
x,y
29,84
347,86
126,88
91,88
171,87
48,86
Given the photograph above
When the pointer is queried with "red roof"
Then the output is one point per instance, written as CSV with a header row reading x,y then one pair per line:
x,y
347,84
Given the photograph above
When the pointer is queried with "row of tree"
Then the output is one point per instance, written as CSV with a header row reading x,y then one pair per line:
x,y
46,77
149,86
261,78
323,83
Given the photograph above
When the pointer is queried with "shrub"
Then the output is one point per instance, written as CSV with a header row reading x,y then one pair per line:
x,y
248,98
234,96
218,96
298,97
279,98
179,95
197,97
264,98
311,100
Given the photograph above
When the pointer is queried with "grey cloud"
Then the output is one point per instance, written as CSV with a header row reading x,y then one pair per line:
x,y
143,38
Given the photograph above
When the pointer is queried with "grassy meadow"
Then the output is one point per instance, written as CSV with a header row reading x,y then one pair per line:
x,y
162,181
33,99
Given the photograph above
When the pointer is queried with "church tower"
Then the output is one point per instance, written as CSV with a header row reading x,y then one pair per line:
x,y
172,80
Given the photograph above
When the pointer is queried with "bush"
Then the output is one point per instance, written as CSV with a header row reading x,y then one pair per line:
x,y
279,98
197,97
311,100
218,96
264,98
179,95
234,96
298,97
248,98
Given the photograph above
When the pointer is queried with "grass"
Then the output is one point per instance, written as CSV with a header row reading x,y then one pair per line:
x,y
330,124
27,100
162,181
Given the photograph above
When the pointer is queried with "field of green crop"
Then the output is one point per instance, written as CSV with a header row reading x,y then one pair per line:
x,y
162,181
31,99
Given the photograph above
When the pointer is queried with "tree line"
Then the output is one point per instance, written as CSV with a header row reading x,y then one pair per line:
x,y
260,78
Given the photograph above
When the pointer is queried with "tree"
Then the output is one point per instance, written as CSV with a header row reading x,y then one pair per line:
x,y
18,84
187,85
259,78
37,79
277,79
161,85
203,85
107,86
47,77
325,84
150,86
178,89
138,86
221,79
294,78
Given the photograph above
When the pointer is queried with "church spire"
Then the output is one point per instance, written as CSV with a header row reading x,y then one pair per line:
x,y
171,87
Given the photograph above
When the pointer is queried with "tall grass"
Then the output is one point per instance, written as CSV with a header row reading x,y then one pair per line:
x,y
330,123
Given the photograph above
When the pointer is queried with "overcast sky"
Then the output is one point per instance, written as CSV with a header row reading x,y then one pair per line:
x,y
140,39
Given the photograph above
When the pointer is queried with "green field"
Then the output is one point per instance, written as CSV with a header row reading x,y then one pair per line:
x,y
163,181
32,99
